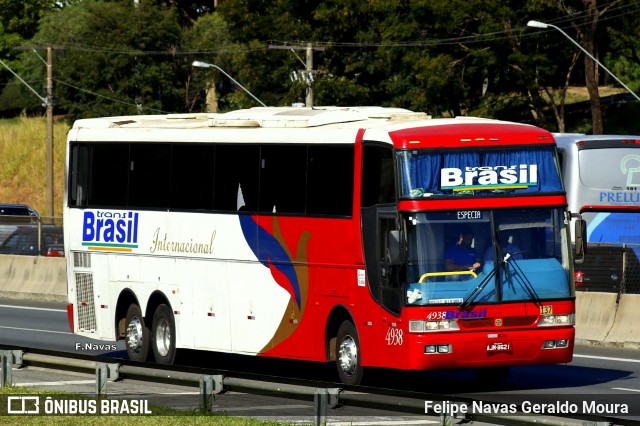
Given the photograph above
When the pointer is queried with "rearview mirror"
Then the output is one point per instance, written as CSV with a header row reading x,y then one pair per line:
x,y
580,237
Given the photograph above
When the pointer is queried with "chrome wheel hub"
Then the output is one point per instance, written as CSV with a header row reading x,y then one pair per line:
x,y
163,337
134,334
348,355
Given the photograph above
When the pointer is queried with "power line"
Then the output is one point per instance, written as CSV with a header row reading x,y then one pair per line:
x,y
97,95
308,75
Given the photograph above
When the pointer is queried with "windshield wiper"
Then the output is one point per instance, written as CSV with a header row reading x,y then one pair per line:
x,y
476,291
521,279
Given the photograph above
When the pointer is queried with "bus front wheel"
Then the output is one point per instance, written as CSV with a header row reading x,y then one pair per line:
x,y
137,334
163,335
348,354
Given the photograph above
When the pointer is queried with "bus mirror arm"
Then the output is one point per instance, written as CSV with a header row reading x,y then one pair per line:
x,y
580,235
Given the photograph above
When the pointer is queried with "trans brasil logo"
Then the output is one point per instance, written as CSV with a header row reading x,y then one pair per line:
x,y
110,231
489,177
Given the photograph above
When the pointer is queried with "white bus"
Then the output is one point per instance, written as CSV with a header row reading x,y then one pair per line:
x,y
601,175
321,234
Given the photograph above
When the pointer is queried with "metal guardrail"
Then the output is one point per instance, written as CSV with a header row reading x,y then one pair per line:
x,y
324,398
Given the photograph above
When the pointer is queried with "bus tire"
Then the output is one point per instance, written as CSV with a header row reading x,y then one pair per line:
x,y
348,354
163,335
137,334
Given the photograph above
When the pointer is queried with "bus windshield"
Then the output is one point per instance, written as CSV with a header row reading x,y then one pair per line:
x,y
483,256
427,172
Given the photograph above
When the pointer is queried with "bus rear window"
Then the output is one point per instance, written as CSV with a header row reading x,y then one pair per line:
x,y
624,173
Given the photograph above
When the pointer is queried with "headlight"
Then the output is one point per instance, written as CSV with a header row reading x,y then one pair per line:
x,y
420,326
551,320
416,326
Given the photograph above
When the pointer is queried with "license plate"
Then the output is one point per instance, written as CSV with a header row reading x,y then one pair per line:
x,y
498,347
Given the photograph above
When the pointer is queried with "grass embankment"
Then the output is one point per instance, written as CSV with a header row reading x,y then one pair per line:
x,y
577,94
23,166
161,415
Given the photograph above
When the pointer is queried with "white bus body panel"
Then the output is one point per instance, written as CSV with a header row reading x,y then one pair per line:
x,y
226,274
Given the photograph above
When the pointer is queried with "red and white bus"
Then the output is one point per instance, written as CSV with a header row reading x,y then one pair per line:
x,y
320,234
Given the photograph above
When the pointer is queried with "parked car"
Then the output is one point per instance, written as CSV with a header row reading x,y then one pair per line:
x,y
24,241
14,215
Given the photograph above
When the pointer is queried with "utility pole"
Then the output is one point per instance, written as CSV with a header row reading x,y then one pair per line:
x,y
48,103
308,74
309,100
49,159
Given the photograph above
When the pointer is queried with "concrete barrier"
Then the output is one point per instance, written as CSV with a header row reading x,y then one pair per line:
x,y
626,327
33,277
595,315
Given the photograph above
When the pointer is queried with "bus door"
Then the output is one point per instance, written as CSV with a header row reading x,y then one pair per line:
x,y
381,240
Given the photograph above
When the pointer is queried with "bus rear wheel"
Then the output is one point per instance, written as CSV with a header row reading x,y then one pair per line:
x,y
136,334
163,335
348,354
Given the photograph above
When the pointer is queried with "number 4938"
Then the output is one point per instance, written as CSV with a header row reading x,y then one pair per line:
x,y
394,336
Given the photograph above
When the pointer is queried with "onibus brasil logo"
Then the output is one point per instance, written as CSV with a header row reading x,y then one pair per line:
x,y
112,231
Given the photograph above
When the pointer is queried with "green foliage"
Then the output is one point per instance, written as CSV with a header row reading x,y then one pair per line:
x,y
624,58
18,23
111,58
332,90
21,17
444,57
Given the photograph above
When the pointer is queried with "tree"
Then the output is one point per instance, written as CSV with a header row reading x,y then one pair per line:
x,y
18,23
21,17
624,55
444,57
188,10
357,59
112,58
209,41
482,61
585,24
254,25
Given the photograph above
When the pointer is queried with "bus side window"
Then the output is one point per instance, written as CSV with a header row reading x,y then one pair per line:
x,y
147,187
330,172
236,174
78,176
378,183
283,179
192,177
109,175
